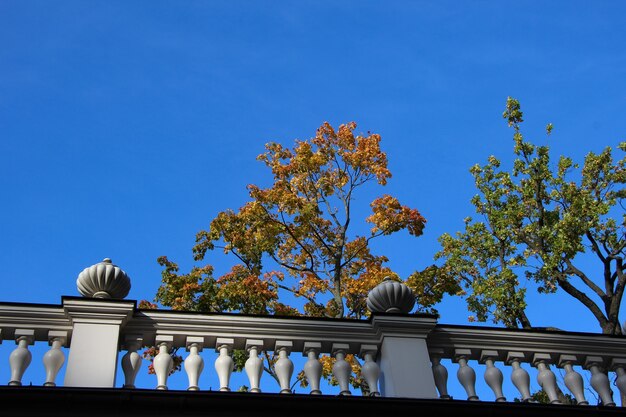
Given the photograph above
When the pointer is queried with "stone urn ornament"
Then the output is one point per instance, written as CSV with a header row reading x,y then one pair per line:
x,y
103,280
390,297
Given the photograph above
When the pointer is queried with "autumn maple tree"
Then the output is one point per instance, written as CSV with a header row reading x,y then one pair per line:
x,y
296,237
561,226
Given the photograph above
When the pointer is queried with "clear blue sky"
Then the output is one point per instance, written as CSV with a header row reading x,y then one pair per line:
x,y
126,126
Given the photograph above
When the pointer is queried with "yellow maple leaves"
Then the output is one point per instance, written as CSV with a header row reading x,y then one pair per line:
x,y
390,216
302,225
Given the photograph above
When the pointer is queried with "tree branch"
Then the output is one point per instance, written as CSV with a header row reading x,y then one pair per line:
x,y
571,269
290,267
584,299
294,292
594,246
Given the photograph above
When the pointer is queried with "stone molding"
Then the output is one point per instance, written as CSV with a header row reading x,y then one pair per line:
x,y
578,346
146,325
98,311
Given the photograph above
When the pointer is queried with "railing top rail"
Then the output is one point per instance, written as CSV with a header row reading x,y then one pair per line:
x,y
41,318
445,339
148,324
151,323
442,339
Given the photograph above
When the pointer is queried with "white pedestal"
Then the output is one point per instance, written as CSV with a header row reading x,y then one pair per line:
x,y
405,368
94,346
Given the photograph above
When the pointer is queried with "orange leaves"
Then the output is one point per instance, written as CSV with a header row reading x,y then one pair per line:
x,y
274,158
248,233
240,290
328,162
368,272
390,216
180,291
311,285
368,158
303,225
147,305
359,155
281,309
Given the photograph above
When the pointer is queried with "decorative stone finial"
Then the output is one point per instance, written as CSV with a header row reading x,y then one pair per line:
x,y
103,280
390,297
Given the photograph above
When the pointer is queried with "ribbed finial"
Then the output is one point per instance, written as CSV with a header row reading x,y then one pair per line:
x,y
390,297
103,280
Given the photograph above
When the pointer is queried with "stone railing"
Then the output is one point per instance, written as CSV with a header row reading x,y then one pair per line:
x,y
96,330
566,350
27,323
402,354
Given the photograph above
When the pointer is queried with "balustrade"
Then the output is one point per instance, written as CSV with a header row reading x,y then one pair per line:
x,y
487,361
21,357
542,350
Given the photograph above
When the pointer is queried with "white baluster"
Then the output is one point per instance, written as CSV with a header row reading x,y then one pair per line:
x,y
465,374
254,364
313,367
370,369
545,377
54,358
620,381
599,380
618,366
131,361
440,374
493,376
341,368
573,380
163,362
224,364
519,375
194,364
20,358
284,366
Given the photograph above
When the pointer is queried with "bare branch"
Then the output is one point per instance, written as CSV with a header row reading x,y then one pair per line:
x,y
594,246
294,292
571,269
584,299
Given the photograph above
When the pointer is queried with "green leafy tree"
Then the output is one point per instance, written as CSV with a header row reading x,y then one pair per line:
x,y
538,222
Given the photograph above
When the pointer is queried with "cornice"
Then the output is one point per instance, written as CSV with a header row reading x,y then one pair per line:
x,y
209,327
267,328
402,325
445,339
99,311
40,318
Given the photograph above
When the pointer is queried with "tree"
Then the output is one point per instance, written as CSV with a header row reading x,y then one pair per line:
x,y
297,236
538,222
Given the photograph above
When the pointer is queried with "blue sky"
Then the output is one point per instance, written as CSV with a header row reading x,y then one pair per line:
x,y
125,127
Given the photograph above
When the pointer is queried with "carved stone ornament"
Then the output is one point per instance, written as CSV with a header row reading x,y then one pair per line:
x,y
390,297
103,280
